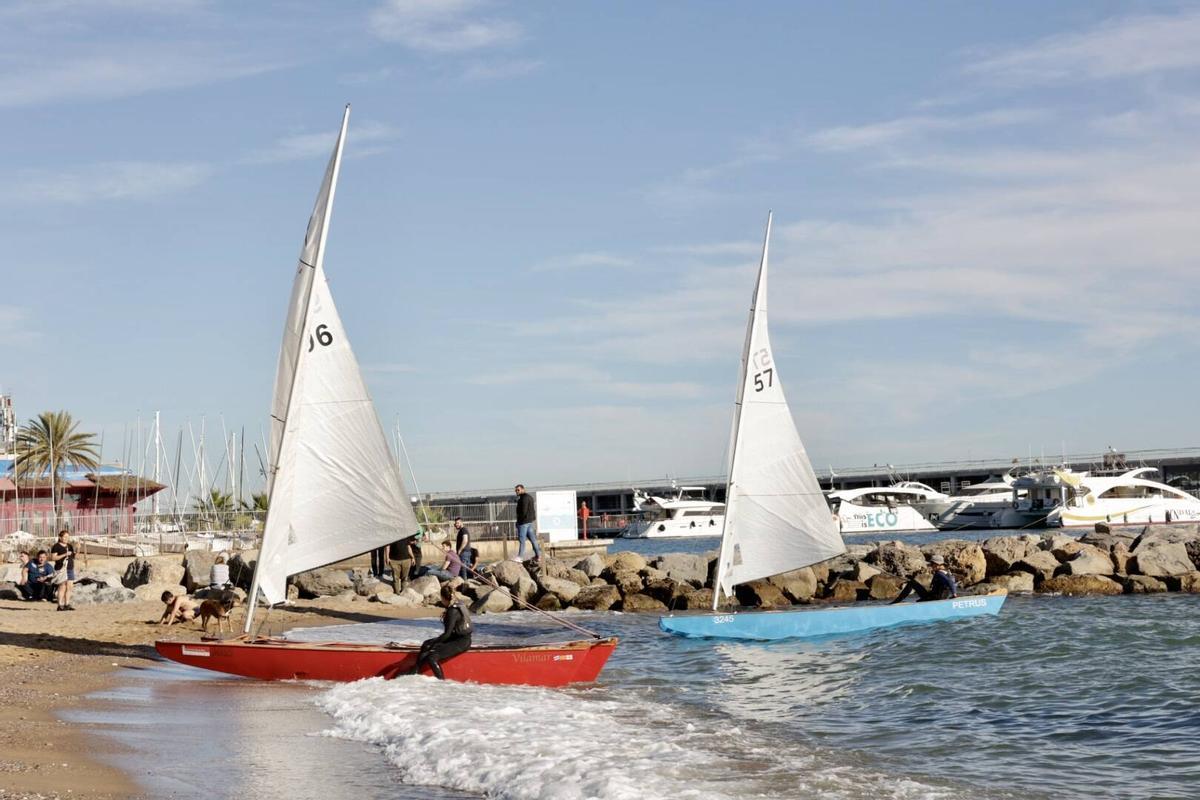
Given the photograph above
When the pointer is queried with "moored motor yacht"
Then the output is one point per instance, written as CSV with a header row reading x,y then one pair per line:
x,y
883,508
1034,498
686,514
1120,499
971,507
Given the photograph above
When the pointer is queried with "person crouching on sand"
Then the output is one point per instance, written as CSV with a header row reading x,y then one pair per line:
x,y
179,609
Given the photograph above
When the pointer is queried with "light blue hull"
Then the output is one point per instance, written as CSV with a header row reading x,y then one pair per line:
x,y
792,624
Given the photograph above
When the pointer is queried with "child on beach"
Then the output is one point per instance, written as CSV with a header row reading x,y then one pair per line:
x,y
179,609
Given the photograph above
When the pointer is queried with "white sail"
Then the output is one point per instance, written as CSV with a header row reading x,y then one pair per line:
x,y
335,490
776,518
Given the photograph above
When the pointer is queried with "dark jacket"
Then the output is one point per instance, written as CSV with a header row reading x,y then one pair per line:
x,y
456,624
405,548
525,510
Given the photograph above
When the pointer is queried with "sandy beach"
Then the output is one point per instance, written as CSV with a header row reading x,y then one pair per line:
x,y
50,662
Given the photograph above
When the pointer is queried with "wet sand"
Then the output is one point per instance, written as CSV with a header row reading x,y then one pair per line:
x,y
50,662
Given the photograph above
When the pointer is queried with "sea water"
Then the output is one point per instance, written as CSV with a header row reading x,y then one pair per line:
x,y
1055,698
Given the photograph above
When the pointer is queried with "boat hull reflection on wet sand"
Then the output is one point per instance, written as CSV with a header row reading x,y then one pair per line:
x,y
272,659
771,625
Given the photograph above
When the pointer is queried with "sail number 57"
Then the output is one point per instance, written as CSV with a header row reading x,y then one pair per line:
x,y
765,377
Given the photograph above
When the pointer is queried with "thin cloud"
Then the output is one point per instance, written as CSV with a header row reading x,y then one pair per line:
x,y
1114,48
845,138
581,261
120,180
441,26
367,137
482,71
121,72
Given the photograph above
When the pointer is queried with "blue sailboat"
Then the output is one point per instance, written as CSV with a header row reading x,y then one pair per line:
x,y
776,517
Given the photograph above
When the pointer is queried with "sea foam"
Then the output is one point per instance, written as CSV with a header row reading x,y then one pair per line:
x,y
530,743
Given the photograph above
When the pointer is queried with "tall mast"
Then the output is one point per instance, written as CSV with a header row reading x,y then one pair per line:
x,y
314,268
735,434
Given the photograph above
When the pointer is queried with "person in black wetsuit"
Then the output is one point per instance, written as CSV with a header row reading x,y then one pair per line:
x,y
942,587
455,638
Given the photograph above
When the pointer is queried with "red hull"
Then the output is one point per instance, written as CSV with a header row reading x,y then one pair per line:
x,y
281,659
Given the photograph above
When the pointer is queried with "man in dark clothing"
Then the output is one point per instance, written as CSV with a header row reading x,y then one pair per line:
x,y
41,577
942,587
455,638
526,517
404,556
462,546
378,561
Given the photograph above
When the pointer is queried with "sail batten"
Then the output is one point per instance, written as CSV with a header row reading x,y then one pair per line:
x,y
776,517
335,489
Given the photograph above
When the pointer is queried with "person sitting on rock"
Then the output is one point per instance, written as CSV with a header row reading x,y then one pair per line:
x,y
41,577
455,637
179,608
23,576
218,575
942,587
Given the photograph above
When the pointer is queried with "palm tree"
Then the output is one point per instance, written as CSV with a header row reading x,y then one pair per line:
x,y
259,502
49,442
220,504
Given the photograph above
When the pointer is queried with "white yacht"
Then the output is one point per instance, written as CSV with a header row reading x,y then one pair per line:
x,y
1035,497
1120,499
687,514
971,507
883,508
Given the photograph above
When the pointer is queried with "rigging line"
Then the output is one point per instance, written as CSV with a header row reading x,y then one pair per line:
x,y
532,607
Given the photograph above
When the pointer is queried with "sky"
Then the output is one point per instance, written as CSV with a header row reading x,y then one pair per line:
x,y
550,214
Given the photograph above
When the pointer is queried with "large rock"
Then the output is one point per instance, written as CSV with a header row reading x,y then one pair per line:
x,y
697,599
1056,541
844,590
1065,551
683,567
429,587
508,573
197,566
641,602
1105,540
1080,585
799,585
142,571
652,574
1002,552
1121,556
9,591
241,568
561,588
154,591
625,561
627,582
550,602
760,594
597,598
667,591
1161,558
525,590
1088,560
1190,582
863,572
104,594
493,602
579,577
406,599
897,558
1143,584
885,587
323,582
964,559
1187,534
592,566
1041,564
1014,582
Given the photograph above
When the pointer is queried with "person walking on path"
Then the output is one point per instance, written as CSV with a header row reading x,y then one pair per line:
x,y
462,545
62,553
455,637
41,577
526,517
404,555
942,587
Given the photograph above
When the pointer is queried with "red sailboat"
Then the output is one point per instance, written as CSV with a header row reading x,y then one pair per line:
x,y
335,491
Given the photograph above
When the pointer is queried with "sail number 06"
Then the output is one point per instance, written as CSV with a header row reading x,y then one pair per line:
x,y
324,337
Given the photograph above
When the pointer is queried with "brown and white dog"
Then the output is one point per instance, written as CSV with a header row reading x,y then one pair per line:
x,y
217,608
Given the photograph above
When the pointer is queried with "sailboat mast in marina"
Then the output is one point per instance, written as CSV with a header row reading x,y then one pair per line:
x,y
776,516
333,485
